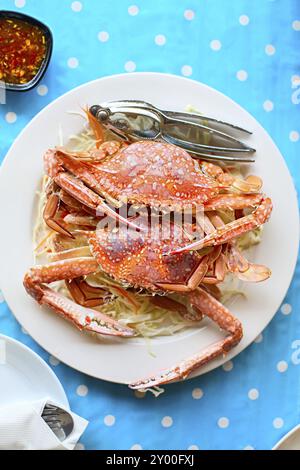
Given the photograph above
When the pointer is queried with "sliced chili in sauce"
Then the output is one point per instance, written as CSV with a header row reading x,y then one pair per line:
x,y
23,47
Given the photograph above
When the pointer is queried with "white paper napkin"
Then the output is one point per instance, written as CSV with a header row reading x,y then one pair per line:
x,y
23,428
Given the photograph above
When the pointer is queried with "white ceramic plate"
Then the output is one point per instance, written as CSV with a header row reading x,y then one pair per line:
x,y
126,360
24,376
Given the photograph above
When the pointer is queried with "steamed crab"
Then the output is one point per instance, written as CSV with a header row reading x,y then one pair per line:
x,y
162,177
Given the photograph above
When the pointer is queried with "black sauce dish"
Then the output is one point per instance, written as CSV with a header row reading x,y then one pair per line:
x,y
49,46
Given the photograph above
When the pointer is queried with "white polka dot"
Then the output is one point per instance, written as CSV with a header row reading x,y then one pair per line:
x,y
130,66
244,20
270,49
253,394
278,423
248,448
268,106
223,422
296,25
286,309
109,420
79,446
10,117
82,390
73,62
76,6
53,361
139,394
133,10
189,15
24,331
282,366
295,79
1,297
294,136
42,90
259,338
215,45
242,75
20,3
103,36
193,447
136,447
197,393
228,366
160,40
167,421
186,70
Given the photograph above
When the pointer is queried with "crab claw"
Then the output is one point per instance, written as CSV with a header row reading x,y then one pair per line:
x,y
210,307
83,317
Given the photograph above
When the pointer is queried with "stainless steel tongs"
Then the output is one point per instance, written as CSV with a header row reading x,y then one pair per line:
x,y
202,136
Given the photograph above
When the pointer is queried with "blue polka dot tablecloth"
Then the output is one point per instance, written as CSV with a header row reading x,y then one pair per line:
x,y
249,50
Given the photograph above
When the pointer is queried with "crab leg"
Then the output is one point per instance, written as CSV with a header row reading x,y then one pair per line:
x,y
82,317
197,276
233,229
243,269
85,294
56,161
233,201
255,273
251,184
49,213
220,268
85,220
235,262
212,308
88,197
69,201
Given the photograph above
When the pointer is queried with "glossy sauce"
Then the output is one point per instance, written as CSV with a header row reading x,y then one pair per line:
x,y
23,47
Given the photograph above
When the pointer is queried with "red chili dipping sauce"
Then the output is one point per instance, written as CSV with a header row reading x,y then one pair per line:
x,y
23,47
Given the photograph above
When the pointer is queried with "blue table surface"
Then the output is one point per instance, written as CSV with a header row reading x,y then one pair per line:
x,y
249,50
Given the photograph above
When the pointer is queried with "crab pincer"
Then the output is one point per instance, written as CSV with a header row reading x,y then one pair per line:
x,y
84,318
213,309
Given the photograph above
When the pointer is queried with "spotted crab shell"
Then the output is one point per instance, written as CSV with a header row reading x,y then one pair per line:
x,y
140,258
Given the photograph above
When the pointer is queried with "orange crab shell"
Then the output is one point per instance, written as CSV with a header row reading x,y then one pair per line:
x,y
143,173
153,173
139,258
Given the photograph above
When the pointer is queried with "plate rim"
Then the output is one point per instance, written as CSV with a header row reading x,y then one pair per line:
x,y
286,436
24,348
234,352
